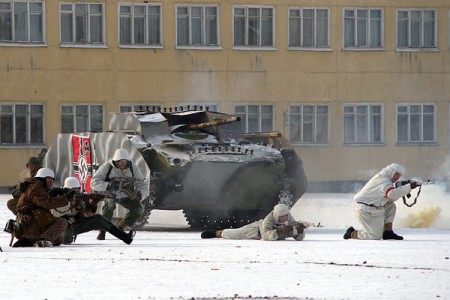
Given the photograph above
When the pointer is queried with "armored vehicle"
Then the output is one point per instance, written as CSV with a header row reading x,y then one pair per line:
x,y
197,161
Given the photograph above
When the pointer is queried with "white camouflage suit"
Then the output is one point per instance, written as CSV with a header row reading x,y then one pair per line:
x,y
264,229
375,205
109,171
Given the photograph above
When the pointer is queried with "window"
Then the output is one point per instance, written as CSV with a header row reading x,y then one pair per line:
x,y
138,107
197,25
416,28
22,21
21,124
416,123
81,118
309,27
254,26
82,23
309,124
140,24
255,118
363,28
363,124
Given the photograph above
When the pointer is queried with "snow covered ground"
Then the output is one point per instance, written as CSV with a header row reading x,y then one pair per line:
x,y
177,264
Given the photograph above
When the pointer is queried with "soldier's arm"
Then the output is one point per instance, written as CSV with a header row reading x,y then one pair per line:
x,y
98,181
43,199
268,230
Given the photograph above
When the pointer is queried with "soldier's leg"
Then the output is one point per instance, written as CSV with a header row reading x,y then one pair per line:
x,y
389,216
247,232
135,210
372,223
98,222
12,205
109,205
55,232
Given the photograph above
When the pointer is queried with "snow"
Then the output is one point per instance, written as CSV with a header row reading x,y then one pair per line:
x,y
169,261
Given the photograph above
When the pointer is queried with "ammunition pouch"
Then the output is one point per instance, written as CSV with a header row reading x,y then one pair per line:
x,y
14,228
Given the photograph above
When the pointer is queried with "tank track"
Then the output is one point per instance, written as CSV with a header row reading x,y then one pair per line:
x,y
208,219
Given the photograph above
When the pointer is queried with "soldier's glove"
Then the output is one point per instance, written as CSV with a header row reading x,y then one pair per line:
x,y
299,226
135,195
414,184
113,185
285,230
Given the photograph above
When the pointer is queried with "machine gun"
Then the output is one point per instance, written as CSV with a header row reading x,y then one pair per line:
x,y
419,182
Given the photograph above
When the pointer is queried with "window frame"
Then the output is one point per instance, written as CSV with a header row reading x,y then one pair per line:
x,y
74,117
301,9
133,44
13,42
74,43
245,120
422,123
246,35
369,117
409,48
368,31
203,45
315,130
29,125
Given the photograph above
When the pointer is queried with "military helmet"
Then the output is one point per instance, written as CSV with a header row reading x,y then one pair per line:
x,y
33,161
72,183
45,172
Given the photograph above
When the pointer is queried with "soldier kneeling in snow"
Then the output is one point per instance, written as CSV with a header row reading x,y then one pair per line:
x,y
277,225
81,217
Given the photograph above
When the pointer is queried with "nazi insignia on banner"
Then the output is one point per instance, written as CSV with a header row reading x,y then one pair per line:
x,y
82,161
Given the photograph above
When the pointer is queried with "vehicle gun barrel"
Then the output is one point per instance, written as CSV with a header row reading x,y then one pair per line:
x,y
214,123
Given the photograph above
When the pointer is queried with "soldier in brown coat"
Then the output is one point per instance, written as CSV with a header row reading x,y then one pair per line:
x,y
33,165
37,223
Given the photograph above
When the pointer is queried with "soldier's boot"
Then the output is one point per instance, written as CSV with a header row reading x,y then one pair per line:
x,y
210,234
23,242
354,234
127,238
348,233
43,244
389,234
101,235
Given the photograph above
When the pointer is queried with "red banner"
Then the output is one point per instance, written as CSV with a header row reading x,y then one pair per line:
x,y
82,161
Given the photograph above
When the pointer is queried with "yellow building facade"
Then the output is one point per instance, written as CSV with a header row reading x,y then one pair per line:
x,y
354,85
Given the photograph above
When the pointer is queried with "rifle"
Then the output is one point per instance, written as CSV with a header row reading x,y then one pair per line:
x,y
125,185
82,201
419,182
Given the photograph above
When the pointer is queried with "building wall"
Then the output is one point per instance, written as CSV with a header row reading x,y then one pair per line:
x,y
53,75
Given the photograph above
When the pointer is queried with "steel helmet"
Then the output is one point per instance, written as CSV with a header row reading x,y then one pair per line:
x,y
121,154
45,172
72,183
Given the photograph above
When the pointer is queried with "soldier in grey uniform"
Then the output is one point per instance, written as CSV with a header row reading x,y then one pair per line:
x,y
126,184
